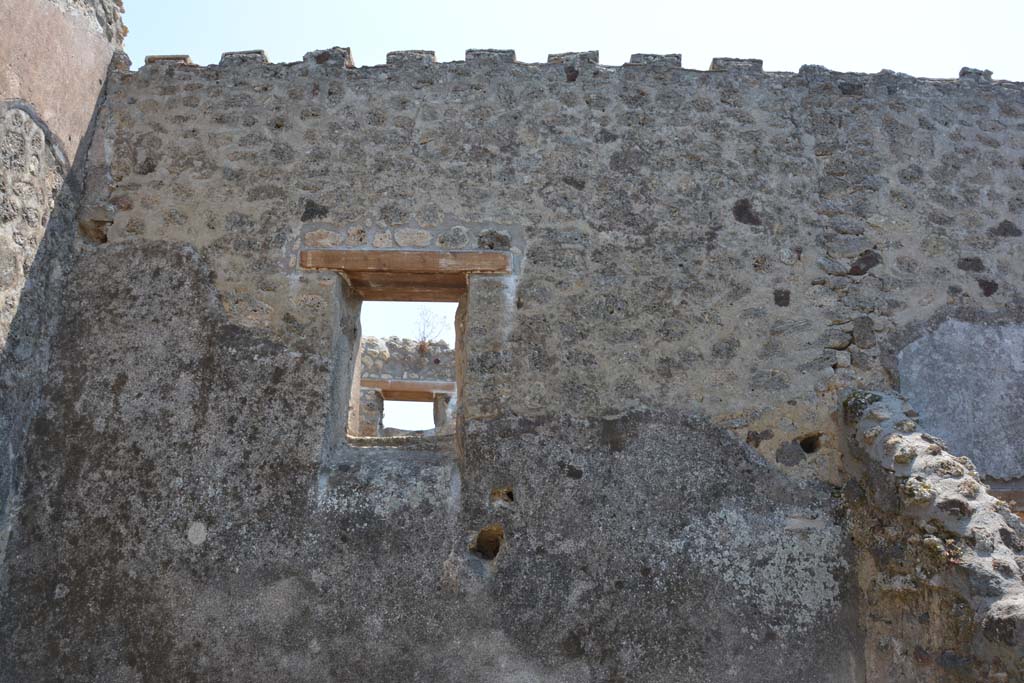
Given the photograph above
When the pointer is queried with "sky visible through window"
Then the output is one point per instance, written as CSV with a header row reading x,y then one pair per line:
x,y
403,319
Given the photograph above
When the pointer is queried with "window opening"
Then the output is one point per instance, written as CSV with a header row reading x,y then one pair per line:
x,y
399,277
407,367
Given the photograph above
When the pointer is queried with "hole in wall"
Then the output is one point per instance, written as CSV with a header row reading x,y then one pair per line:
x,y
810,443
743,211
93,228
503,497
488,542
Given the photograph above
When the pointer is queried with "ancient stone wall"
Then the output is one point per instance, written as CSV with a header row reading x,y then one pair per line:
x,y
396,358
866,195
647,482
943,559
54,57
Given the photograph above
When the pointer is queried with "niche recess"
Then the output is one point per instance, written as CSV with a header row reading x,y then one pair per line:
x,y
399,275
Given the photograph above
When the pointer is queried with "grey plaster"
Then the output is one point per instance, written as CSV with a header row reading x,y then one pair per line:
x,y
967,379
54,58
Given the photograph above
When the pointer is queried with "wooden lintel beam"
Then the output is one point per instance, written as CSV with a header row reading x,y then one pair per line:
x,y
414,396
384,293
397,261
408,390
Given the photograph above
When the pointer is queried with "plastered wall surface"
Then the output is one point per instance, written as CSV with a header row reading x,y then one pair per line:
x,y
968,378
54,57
704,262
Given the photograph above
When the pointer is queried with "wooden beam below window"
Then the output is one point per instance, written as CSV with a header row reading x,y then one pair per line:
x,y
408,389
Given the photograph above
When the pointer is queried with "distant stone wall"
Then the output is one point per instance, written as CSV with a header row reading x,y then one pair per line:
x,y
396,358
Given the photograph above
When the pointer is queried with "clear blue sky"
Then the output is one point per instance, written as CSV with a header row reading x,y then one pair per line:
x,y
921,37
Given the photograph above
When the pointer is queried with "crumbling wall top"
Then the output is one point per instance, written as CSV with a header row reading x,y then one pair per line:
x,y
569,61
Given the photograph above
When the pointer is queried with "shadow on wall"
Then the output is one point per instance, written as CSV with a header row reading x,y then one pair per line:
x,y
39,199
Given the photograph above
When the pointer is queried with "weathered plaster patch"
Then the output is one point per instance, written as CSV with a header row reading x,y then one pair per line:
x,y
967,379
784,562
196,533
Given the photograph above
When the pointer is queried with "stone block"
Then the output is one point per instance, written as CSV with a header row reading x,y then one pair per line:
x,y
368,418
172,59
411,57
658,60
980,75
411,237
738,65
490,56
588,57
442,410
243,57
338,56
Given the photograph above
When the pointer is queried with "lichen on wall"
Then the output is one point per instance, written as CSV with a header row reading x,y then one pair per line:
x,y
788,561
